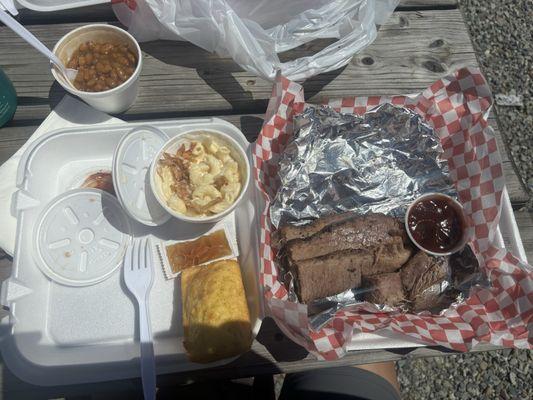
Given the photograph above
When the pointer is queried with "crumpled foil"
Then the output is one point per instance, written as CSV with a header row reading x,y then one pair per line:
x,y
379,162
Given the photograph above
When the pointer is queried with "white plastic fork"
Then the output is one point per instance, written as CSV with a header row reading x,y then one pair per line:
x,y
139,276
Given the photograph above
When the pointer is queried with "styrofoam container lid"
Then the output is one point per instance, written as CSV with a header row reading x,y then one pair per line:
x,y
81,237
56,5
131,163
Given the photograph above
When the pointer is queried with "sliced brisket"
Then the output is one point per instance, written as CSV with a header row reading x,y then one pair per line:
x,y
388,258
363,232
384,289
291,232
421,272
334,273
325,276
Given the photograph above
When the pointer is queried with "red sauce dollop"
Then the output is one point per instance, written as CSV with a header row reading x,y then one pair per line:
x,y
436,224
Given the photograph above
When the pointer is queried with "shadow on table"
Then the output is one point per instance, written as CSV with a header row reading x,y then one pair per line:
x,y
55,94
217,72
279,345
251,126
125,387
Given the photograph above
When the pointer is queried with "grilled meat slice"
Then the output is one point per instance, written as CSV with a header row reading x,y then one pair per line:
x,y
325,276
421,272
429,299
384,289
366,231
334,273
288,232
388,258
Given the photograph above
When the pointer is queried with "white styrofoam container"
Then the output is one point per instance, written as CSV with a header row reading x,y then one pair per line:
x,y
81,237
131,161
58,334
172,145
56,5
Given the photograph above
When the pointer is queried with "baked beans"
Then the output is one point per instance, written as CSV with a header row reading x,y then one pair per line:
x,y
102,66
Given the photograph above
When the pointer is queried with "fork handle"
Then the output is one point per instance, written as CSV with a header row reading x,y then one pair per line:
x,y
147,352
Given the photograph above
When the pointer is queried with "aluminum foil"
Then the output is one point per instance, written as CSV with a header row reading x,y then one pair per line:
x,y
378,162
322,310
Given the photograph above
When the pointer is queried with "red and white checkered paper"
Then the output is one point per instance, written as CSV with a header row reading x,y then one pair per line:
x,y
457,106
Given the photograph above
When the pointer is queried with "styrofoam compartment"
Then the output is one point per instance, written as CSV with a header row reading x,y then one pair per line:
x,y
59,334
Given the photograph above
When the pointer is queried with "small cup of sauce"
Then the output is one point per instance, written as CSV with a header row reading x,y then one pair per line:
x,y
436,224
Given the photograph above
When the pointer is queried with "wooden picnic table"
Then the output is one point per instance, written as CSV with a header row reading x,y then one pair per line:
x,y
421,42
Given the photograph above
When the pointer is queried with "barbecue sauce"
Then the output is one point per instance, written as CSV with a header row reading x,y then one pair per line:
x,y
436,224
100,180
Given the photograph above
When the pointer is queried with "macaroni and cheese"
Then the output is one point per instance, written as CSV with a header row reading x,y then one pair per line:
x,y
202,178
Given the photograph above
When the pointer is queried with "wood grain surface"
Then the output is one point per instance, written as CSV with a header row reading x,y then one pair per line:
x,y
412,50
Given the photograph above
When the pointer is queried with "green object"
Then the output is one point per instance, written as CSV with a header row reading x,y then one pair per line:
x,y
8,99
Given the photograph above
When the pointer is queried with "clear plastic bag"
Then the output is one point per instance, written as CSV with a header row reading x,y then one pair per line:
x,y
252,32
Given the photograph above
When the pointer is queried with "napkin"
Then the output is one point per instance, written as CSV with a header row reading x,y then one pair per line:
x,y
70,112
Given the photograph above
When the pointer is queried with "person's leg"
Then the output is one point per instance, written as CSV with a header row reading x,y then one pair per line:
x,y
343,383
386,370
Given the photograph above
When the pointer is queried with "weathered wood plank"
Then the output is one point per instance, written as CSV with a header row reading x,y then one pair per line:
x,y
412,50
513,182
524,220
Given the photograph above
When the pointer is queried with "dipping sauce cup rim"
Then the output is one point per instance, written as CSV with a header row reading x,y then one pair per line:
x,y
457,206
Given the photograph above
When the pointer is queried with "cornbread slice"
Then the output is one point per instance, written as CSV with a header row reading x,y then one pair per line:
x,y
216,320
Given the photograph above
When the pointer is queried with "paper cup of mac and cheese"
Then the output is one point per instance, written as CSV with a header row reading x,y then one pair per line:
x,y
200,175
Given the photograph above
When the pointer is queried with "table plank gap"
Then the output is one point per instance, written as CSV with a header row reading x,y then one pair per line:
x,y
411,5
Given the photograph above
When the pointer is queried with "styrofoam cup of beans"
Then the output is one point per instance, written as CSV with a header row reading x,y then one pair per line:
x,y
107,86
